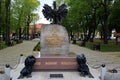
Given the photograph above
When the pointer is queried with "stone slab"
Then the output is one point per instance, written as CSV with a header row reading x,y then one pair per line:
x,y
45,75
54,39
56,63
112,76
4,77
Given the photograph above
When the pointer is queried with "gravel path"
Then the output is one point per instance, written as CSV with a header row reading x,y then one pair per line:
x,y
11,55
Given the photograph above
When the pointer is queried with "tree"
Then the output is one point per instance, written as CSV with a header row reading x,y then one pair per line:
x,y
0,17
114,18
82,15
105,4
21,13
35,17
7,21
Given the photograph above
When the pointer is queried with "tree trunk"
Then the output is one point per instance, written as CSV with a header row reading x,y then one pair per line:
x,y
28,22
89,34
93,35
20,33
19,26
34,30
94,24
0,19
105,31
7,21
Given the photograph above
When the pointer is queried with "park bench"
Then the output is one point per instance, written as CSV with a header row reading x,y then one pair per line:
x,y
18,41
96,46
10,43
74,41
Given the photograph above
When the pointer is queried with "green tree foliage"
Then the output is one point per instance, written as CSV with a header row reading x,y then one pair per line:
x,y
7,21
22,13
21,9
87,15
105,5
114,17
0,8
15,14
3,17
80,15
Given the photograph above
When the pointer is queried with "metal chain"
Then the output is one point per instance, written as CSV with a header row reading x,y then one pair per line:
x,y
16,64
97,67
93,66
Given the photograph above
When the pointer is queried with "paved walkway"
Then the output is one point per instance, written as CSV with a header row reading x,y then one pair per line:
x,y
11,55
96,58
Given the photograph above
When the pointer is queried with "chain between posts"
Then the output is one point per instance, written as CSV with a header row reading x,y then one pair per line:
x,y
19,61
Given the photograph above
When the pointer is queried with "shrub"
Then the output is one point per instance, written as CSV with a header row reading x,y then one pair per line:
x,y
37,47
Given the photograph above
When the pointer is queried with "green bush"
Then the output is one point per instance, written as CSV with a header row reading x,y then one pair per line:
x,y
37,47
2,45
110,47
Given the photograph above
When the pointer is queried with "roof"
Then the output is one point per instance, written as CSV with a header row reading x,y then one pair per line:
x,y
39,25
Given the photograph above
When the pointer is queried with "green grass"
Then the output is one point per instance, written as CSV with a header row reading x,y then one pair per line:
x,y
2,45
37,47
110,47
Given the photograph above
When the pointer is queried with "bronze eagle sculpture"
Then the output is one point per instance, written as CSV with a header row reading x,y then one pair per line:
x,y
55,14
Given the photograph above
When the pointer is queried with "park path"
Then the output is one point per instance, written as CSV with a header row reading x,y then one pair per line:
x,y
96,58
11,55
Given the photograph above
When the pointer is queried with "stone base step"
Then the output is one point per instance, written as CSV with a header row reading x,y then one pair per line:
x,y
55,63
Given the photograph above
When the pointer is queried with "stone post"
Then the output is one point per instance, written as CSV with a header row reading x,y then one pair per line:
x,y
21,58
103,71
7,70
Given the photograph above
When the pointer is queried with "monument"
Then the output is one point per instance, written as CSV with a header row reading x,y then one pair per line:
x,y
54,42
54,37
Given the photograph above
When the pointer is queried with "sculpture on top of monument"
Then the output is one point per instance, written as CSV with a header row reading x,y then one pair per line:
x,y
55,14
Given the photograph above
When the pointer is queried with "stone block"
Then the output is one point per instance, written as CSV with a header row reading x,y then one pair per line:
x,y
54,39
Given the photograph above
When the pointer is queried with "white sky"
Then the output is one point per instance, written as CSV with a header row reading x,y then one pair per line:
x,y
42,2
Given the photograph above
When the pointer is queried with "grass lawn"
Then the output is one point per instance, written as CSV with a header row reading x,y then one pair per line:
x,y
37,47
2,45
110,47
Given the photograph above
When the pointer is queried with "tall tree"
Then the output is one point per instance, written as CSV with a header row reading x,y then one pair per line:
x,y
114,18
0,17
105,5
94,4
7,21
22,10
35,17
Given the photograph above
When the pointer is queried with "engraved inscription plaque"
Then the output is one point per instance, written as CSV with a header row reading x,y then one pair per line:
x,y
54,39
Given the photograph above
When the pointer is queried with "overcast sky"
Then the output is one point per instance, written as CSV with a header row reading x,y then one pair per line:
x,y
42,2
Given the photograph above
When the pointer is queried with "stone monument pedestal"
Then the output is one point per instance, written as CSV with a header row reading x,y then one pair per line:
x,y
55,62
54,49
